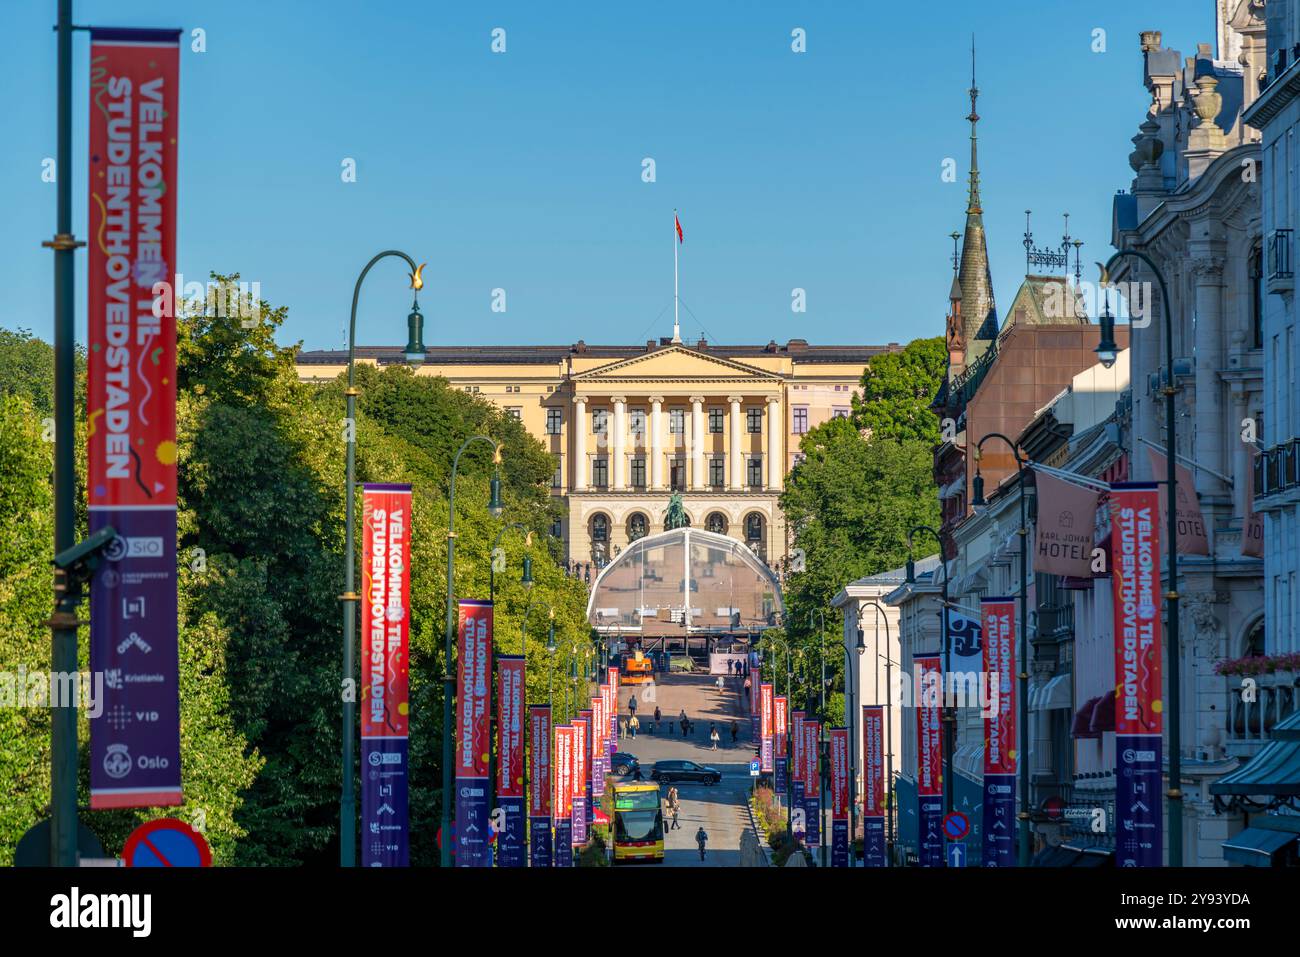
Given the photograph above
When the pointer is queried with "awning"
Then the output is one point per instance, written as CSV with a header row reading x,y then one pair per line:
x,y
1258,846
1103,715
1091,856
1054,693
1081,726
1055,855
1274,771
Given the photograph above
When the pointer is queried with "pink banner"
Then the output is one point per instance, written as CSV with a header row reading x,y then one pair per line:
x,y
510,730
539,761
562,802
765,725
929,745
840,774
1136,591
782,716
999,626
873,761
1063,531
473,665
1192,539
797,719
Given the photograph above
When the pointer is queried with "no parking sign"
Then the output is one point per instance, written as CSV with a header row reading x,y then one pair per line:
x,y
166,842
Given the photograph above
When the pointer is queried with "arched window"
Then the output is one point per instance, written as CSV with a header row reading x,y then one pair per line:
x,y
636,526
717,523
753,527
599,528
1253,647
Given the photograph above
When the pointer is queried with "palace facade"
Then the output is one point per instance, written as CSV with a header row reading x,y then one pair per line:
x,y
630,425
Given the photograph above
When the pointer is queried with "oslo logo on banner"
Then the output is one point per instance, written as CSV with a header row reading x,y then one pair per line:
x,y
999,620
929,760
135,755
1135,547
385,710
474,663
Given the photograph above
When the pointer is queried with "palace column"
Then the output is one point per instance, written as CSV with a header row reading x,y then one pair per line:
x,y
735,457
580,444
775,433
697,443
656,443
620,430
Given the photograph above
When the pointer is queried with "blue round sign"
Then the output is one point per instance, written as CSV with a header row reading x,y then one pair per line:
x,y
166,842
956,826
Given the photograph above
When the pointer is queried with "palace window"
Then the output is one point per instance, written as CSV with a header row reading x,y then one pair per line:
x,y
515,412
755,473
600,472
638,473
676,421
553,419
800,419
599,421
636,421
636,526
717,472
677,475
715,420
754,420
716,523
558,477
840,412
599,528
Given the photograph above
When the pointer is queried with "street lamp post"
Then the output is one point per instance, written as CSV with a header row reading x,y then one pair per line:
x,y
550,665
889,730
949,705
414,355
1107,352
1022,762
449,674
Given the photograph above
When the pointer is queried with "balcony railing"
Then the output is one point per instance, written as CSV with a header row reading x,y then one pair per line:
x,y
1253,711
1277,469
1280,268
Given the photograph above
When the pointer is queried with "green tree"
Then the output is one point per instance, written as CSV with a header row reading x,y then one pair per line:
x,y
897,389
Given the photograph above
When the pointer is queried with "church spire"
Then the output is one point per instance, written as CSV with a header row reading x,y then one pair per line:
x,y
979,317
973,200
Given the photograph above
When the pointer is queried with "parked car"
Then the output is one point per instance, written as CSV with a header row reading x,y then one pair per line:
x,y
665,771
624,763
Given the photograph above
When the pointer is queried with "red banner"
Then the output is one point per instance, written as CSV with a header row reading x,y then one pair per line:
x,y
929,744
539,761
131,416
999,626
840,774
131,359
811,773
583,724
781,713
510,726
873,760
1136,599
796,724
562,804
613,688
474,662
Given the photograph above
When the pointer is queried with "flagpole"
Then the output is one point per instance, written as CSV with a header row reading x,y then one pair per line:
x,y
677,329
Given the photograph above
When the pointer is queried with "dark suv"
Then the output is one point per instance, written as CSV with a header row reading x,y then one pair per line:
x,y
624,763
666,771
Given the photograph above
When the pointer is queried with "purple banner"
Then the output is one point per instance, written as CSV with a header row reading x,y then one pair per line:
x,y
563,842
384,789
1137,800
930,829
539,841
812,808
135,744
472,825
510,842
873,848
799,811
839,843
999,820
779,774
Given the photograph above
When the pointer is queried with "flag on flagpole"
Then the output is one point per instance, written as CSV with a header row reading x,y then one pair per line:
x,y
678,223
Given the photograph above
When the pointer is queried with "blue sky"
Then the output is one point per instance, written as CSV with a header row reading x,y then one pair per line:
x,y
522,170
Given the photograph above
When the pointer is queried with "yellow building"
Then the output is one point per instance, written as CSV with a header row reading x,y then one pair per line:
x,y
630,425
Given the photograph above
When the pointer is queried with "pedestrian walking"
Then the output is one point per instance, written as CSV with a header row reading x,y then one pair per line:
x,y
672,809
672,796
714,736
633,724
658,714
735,731
622,729
631,703
701,838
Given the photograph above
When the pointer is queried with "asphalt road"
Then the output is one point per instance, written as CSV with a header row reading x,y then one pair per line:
x,y
719,808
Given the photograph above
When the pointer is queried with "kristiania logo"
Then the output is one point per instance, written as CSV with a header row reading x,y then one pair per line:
x,y
132,911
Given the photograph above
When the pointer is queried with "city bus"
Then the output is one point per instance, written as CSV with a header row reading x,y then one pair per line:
x,y
638,831
638,669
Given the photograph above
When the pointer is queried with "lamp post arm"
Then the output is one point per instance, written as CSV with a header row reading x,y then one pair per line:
x,y
356,294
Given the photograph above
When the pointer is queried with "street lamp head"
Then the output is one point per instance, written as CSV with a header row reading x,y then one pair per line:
x,y
414,351
528,571
861,646
1107,350
977,486
550,634
911,571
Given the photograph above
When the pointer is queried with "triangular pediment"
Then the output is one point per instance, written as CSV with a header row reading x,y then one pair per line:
x,y
674,362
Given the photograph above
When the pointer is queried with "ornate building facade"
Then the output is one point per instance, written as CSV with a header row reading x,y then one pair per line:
x,y
629,426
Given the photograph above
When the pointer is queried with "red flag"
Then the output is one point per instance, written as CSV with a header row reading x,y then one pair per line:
x,y
678,223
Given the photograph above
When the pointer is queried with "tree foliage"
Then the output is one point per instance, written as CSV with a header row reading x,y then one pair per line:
x,y
897,389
